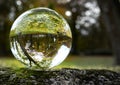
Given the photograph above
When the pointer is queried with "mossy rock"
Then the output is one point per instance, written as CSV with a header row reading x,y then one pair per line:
x,y
65,76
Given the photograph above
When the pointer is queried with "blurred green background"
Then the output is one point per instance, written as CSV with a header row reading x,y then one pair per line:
x,y
95,43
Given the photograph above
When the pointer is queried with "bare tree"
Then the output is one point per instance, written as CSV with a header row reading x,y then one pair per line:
x,y
110,11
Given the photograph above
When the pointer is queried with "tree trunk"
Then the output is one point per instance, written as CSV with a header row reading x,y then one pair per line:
x,y
110,10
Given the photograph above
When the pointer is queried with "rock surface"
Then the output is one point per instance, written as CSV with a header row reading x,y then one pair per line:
x,y
65,76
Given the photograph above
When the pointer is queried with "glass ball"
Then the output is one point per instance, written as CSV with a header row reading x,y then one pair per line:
x,y
40,37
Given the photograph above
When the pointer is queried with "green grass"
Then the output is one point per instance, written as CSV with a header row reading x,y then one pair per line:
x,y
90,62
80,62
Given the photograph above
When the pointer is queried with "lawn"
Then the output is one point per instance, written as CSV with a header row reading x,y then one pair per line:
x,y
80,62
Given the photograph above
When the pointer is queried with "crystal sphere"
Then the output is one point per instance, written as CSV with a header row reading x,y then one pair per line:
x,y
40,37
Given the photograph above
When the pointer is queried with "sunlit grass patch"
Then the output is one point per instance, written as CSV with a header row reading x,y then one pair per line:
x,y
10,62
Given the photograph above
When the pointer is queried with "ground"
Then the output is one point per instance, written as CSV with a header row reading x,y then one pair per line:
x,y
73,71
65,76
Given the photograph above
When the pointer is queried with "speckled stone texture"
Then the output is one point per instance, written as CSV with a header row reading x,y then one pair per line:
x,y
65,76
